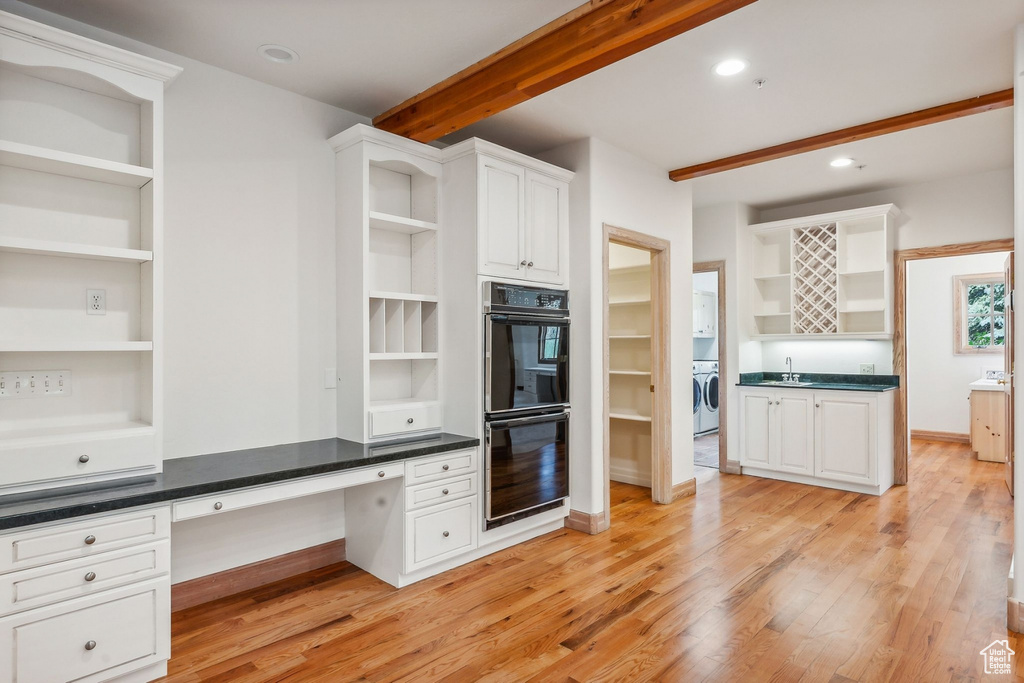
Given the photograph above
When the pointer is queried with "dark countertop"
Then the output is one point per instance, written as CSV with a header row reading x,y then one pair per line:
x,y
204,474
820,381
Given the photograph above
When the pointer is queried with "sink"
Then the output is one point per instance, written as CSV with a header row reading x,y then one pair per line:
x,y
787,383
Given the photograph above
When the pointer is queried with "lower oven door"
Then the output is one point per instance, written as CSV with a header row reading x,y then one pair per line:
x,y
527,463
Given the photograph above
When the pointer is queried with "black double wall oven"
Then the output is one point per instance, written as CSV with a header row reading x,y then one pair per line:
x,y
526,400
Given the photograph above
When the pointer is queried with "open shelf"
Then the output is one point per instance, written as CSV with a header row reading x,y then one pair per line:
x,y
408,226
22,437
783,314
776,276
19,346
35,158
636,373
629,336
17,245
629,302
623,415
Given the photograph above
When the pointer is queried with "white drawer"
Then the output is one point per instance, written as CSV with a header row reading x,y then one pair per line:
x,y
127,628
440,531
39,463
402,419
437,491
438,466
75,578
219,503
91,535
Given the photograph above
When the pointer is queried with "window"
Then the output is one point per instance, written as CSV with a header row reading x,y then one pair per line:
x,y
979,313
549,342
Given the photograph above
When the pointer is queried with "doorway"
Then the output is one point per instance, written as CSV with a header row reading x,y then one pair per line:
x,y
901,362
637,380
710,365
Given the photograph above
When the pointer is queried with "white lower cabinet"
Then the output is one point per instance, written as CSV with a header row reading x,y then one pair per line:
x,y
839,439
86,601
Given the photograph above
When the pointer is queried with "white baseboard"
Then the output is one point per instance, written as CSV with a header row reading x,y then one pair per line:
x,y
628,475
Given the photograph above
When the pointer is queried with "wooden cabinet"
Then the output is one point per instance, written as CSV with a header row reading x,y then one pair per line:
x,y
824,276
705,315
988,425
840,439
776,429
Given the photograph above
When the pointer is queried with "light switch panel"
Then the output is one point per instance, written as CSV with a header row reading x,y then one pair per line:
x,y
35,383
331,378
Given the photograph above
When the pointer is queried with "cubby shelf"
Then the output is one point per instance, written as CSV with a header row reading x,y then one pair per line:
x,y
34,158
17,245
409,226
71,346
403,356
403,296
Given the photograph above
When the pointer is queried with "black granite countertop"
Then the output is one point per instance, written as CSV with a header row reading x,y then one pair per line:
x,y
204,474
820,381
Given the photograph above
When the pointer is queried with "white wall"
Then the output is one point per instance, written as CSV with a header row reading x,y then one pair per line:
x,y
612,186
937,377
840,356
249,289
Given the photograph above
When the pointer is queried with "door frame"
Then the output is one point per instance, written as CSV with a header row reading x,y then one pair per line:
x,y
723,364
661,363
901,428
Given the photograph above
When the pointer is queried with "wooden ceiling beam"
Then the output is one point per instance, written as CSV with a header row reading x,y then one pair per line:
x,y
580,42
893,124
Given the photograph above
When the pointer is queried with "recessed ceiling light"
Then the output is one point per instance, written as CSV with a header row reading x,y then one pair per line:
x,y
730,67
278,53
841,162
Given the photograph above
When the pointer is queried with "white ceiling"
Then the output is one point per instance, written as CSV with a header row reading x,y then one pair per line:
x,y
828,65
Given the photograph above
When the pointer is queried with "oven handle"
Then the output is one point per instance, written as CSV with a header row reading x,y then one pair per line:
x,y
536,419
540,319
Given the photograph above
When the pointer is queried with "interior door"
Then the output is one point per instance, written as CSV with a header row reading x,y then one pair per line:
x,y
1008,368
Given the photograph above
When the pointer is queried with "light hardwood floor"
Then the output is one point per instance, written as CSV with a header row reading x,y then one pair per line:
x,y
750,580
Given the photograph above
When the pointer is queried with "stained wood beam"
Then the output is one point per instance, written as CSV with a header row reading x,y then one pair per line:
x,y
893,124
580,42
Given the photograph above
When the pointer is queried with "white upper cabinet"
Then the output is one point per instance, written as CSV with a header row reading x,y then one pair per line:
x,y
521,210
502,218
705,315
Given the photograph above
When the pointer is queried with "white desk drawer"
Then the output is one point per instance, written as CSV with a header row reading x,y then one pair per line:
x,y
437,491
91,535
27,464
76,578
91,639
219,503
444,465
440,531
402,419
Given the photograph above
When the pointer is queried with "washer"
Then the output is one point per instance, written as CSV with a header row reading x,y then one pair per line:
x,y
698,397
706,372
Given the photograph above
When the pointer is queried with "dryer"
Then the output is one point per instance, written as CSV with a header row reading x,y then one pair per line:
x,y
705,372
698,397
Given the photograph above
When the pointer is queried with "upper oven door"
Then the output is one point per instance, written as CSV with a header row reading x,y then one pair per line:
x,y
526,364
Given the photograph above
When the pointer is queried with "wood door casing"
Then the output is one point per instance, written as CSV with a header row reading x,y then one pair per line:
x,y
1008,358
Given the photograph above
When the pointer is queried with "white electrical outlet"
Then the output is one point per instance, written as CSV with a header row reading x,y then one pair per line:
x,y
96,301
867,368
35,383
331,378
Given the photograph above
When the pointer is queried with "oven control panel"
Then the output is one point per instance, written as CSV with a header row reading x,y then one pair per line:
x,y
519,298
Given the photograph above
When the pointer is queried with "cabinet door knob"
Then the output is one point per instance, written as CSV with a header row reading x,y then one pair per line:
x,y
523,263
218,505
444,492
530,264
445,534
90,539
444,467
410,420
83,459
380,474
817,405
91,645
91,576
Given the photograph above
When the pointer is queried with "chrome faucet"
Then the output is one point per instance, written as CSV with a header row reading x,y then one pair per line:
x,y
788,376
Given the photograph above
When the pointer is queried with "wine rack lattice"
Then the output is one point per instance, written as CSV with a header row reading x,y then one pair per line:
x,y
815,295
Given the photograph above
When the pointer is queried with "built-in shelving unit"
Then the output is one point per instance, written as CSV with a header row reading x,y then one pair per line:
x,y
81,202
388,320
825,276
629,365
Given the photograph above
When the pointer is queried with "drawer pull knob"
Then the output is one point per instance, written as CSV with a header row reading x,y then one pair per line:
x,y
83,459
444,492
91,576
410,420
381,473
90,539
218,505
445,534
444,467
91,645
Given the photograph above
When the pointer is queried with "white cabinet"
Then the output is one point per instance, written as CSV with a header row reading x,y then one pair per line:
x,y
776,429
844,438
705,315
518,206
839,439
